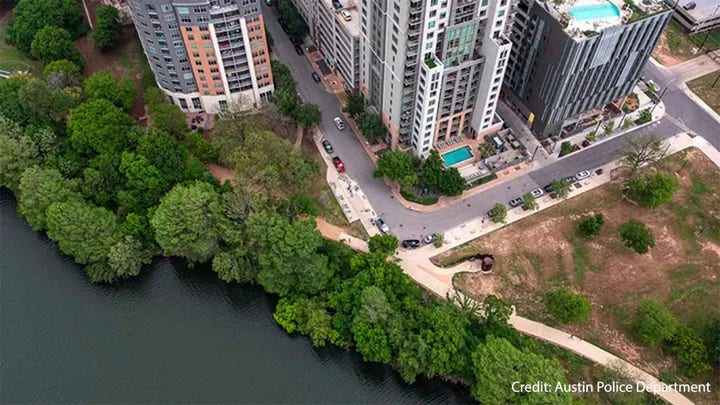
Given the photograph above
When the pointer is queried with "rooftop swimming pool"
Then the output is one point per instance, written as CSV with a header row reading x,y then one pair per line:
x,y
456,156
594,11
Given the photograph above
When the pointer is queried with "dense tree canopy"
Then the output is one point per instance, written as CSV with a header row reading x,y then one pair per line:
x,y
307,115
103,85
17,153
187,222
498,364
397,165
288,261
372,127
39,188
53,43
10,106
108,27
99,126
383,244
689,349
48,103
653,190
30,16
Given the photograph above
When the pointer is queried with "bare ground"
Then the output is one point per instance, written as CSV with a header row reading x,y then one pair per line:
x,y
544,251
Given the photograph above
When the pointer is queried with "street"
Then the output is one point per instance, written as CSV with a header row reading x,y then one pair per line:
x,y
682,114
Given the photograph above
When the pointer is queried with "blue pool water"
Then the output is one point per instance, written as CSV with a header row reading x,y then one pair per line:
x,y
456,156
594,11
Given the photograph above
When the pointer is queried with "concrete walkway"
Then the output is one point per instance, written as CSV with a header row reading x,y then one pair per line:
x,y
416,263
694,68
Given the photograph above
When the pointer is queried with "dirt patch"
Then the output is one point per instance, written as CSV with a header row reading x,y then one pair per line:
x,y
544,251
663,54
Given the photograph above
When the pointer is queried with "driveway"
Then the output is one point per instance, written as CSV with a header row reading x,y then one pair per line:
x,y
682,113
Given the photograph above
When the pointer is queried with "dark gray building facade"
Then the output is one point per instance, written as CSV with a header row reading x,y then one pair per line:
x,y
555,75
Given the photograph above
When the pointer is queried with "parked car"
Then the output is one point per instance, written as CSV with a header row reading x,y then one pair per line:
x,y
338,164
411,243
328,146
315,76
537,192
430,238
690,6
382,225
346,15
582,175
571,179
516,202
549,188
339,123
299,50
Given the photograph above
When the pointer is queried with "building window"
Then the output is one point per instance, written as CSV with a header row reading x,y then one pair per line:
x,y
196,102
183,103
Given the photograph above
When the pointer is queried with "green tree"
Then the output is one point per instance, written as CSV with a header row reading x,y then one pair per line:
x,y
53,43
287,254
529,202
39,188
451,182
203,150
627,124
62,74
307,115
396,165
653,323
498,364
432,167
17,153
292,21
82,230
166,154
590,225
590,137
372,127
498,213
30,16
448,341
144,183
271,164
637,236
652,190
688,347
126,257
40,100
187,222
711,335
561,188
169,118
354,104
234,265
644,116
567,306
282,77
108,27
305,316
10,106
102,179
99,126
287,101
439,240
103,85
384,245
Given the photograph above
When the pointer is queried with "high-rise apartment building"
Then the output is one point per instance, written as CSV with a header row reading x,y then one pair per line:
x,y
206,54
572,57
433,68
335,30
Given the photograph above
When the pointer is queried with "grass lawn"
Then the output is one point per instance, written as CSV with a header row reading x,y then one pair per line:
x,y
13,60
544,252
702,87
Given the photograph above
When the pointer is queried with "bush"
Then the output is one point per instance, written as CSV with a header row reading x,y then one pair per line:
x,y
567,306
439,240
644,116
711,335
565,148
653,323
590,225
636,236
688,348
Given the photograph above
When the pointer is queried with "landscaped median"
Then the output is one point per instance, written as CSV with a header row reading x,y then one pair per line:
x,y
539,256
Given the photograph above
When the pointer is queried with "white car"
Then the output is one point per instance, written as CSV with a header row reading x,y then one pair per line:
x,y
582,175
537,192
339,123
384,228
430,238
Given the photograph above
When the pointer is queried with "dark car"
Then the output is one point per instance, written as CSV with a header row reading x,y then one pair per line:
x,y
299,49
549,188
411,243
328,146
315,76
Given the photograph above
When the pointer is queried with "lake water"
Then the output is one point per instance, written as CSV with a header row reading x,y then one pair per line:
x,y
171,335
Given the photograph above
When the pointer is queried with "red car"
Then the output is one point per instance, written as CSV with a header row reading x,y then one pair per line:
x,y
338,164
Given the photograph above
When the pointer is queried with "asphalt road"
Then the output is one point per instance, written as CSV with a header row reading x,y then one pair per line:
x,y
683,113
